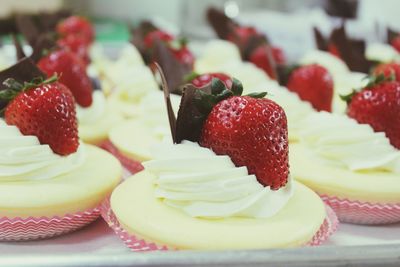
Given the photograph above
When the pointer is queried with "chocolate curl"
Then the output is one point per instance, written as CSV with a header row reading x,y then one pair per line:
x,y
7,26
170,110
26,26
38,39
222,24
138,35
18,47
175,71
25,70
391,34
320,41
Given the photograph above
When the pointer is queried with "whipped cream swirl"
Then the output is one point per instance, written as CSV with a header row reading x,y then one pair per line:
x,y
23,158
94,112
342,141
203,184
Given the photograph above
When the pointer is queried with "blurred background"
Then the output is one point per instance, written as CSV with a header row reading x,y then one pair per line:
x,y
287,22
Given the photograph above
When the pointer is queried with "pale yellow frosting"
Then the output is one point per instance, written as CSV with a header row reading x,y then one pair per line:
x,y
141,214
79,190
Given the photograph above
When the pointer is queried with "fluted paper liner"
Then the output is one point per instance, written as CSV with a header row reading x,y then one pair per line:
x,y
358,212
31,228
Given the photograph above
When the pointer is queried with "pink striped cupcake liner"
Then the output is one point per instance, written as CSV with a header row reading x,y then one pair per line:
x,y
131,165
138,244
357,212
32,228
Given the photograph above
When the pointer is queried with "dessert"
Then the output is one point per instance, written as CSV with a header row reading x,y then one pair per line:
x,y
219,195
353,168
42,156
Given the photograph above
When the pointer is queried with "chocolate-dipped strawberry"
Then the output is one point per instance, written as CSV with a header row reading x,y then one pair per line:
x,y
250,129
52,59
36,104
170,52
253,45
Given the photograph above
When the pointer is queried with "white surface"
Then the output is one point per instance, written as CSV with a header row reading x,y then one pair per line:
x,y
99,239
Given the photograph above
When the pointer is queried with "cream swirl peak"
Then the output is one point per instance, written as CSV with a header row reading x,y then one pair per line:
x,y
23,158
341,140
203,184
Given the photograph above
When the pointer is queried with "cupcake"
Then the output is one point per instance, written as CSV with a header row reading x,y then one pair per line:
x,y
209,188
50,183
354,169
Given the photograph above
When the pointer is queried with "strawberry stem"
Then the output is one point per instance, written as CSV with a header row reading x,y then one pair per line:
x,y
372,81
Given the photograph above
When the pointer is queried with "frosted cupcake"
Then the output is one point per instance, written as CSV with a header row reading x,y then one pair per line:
x,y
42,156
216,195
353,168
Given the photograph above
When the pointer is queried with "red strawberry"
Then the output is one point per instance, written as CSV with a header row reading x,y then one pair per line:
x,y
388,69
157,34
184,55
253,133
204,79
378,105
334,50
262,57
76,45
278,55
314,84
396,43
75,25
242,35
72,73
43,106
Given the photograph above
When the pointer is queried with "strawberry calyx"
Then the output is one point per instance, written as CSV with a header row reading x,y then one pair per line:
x,y
14,88
373,80
206,101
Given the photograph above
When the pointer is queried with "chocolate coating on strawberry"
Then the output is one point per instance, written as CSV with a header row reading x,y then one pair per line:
x,y
24,70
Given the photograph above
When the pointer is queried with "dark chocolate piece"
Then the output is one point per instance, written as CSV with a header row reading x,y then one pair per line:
x,y
342,8
18,47
170,111
352,51
190,120
391,34
138,35
174,70
7,26
25,70
27,27
222,24
320,41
